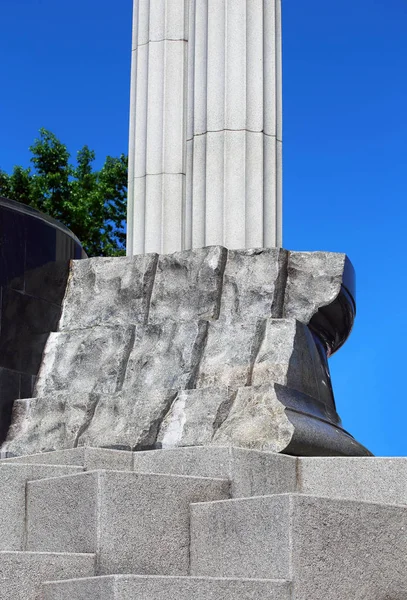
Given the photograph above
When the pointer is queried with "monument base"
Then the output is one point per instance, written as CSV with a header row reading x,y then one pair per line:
x,y
205,347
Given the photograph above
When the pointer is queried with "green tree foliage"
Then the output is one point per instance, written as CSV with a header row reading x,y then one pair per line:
x,y
91,203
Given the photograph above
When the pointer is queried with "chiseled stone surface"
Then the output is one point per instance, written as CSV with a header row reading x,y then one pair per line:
x,y
126,283
188,285
187,349
313,280
127,421
253,284
86,360
47,423
257,419
194,417
165,356
229,353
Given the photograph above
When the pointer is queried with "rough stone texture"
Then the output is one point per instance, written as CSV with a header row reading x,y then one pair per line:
x,y
127,420
257,419
127,283
253,284
172,350
229,354
13,479
137,523
129,587
314,280
333,549
87,360
194,417
188,285
49,423
22,573
165,356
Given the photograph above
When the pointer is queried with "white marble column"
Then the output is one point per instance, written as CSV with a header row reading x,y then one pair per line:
x,y
205,134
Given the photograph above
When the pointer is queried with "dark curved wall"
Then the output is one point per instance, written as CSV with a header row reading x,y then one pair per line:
x,y
34,264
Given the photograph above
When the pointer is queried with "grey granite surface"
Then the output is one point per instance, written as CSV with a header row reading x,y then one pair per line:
x,y
200,347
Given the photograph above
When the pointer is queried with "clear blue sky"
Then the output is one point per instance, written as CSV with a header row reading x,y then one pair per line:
x,y
65,66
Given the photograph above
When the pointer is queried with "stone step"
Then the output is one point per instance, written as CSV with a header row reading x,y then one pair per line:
x,y
382,480
128,587
13,479
88,458
251,472
22,573
136,523
332,549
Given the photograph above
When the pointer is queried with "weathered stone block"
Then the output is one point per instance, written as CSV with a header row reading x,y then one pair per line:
x,y
48,423
314,280
108,291
257,419
188,285
165,356
229,354
253,284
87,360
194,417
127,420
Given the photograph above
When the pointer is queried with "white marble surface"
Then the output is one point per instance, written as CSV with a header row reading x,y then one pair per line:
x,y
205,160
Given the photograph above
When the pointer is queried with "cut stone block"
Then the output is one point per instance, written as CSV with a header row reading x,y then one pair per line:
x,y
188,285
253,284
127,420
314,280
13,479
229,354
251,473
257,419
165,356
87,360
136,523
88,458
108,291
48,423
194,417
367,479
22,573
130,587
323,545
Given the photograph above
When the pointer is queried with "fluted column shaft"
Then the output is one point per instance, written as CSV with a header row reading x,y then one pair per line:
x,y
205,135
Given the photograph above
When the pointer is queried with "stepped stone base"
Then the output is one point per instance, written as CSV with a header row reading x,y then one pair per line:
x,y
205,523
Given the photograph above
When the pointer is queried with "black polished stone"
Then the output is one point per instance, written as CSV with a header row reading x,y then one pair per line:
x,y
35,251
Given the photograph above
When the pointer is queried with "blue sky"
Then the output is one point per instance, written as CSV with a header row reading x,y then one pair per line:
x,y
65,66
